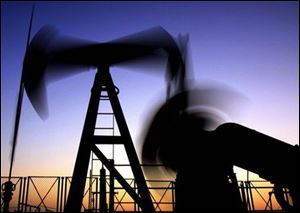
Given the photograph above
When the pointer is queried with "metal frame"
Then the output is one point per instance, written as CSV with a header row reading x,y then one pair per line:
x,y
103,82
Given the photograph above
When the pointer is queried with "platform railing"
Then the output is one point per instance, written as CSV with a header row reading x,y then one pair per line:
x,y
49,194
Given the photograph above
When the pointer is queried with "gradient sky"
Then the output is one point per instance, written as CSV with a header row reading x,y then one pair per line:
x,y
251,47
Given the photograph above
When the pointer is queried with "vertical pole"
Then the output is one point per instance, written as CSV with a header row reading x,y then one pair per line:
x,y
93,204
135,189
27,192
66,187
244,201
61,193
7,194
103,204
58,189
111,189
83,156
177,195
271,206
20,193
247,196
90,186
173,195
23,194
251,196
97,192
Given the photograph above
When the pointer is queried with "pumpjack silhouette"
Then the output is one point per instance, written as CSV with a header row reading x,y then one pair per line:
x,y
203,159
177,136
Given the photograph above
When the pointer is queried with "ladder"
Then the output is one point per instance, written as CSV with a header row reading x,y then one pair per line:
x,y
103,83
105,125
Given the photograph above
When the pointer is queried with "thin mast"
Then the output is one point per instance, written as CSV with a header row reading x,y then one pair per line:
x,y
19,104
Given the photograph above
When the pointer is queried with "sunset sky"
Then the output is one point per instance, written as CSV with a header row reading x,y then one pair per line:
x,y
250,47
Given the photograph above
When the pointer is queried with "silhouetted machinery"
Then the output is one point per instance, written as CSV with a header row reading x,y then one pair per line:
x,y
51,56
204,160
178,137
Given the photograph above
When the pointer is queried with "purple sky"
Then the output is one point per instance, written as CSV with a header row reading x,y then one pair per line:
x,y
251,47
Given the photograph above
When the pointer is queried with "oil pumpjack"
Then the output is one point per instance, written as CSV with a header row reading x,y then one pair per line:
x,y
48,48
